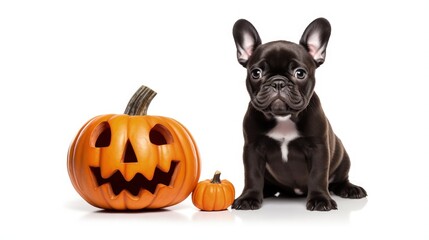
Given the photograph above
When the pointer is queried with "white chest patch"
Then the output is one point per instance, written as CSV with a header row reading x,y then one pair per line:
x,y
284,132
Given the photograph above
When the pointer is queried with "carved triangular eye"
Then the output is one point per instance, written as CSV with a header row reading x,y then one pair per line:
x,y
160,135
101,135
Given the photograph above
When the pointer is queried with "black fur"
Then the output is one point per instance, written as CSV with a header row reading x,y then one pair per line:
x,y
280,81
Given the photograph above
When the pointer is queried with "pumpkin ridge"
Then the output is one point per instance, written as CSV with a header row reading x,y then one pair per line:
x,y
79,165
179,128
203,201
225,195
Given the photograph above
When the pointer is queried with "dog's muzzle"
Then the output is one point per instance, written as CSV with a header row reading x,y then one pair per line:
x,y
279,96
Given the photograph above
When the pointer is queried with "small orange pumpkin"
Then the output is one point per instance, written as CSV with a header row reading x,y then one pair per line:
x,y
134,161
213,194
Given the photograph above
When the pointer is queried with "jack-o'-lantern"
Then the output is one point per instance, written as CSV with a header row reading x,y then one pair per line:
x,y
133,161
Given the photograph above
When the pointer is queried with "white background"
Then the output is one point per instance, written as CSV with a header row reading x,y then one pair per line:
x,y
64,62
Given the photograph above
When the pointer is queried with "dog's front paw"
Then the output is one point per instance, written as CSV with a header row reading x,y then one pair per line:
x,y
321,203
248,203
349,190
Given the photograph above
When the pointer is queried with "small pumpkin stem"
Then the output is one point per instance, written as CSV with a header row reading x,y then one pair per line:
x,y
216,177
139,102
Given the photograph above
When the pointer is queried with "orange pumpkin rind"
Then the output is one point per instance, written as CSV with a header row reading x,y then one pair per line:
x,y
133,161
213,194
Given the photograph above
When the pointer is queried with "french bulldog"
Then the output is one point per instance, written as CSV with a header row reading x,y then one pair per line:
x,y
290,148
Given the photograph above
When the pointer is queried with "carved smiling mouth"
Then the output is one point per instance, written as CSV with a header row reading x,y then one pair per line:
x,y
138,182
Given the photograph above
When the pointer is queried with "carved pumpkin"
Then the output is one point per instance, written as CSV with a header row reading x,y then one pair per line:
x,y
134,161
214,194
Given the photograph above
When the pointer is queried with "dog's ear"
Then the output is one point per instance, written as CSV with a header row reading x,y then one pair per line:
x,y
246,40
315,39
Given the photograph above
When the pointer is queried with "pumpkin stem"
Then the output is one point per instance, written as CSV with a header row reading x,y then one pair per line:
x,y
139,102
216,177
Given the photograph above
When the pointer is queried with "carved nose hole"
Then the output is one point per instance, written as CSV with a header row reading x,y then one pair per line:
x,y
130,155
159,135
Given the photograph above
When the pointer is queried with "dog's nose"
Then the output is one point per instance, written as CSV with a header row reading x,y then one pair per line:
x,y
278,84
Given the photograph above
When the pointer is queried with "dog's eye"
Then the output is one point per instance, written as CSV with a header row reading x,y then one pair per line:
x,y
300,73
256,73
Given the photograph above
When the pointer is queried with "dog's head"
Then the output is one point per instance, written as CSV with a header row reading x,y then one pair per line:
x,y
281,74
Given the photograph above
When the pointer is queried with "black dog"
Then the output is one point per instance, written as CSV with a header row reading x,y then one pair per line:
x,y
290,148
